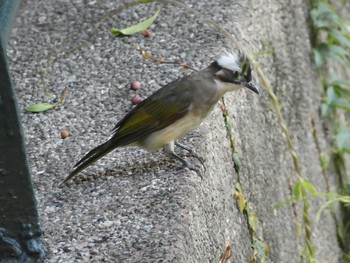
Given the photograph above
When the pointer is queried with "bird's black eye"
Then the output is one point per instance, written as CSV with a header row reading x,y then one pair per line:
x,y
237,74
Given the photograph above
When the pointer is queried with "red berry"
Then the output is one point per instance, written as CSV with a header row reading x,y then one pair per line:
x,y
146,33
65,134
135,85
136,99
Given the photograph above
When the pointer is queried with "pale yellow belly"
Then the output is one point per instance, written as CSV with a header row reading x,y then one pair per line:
x,y
173,132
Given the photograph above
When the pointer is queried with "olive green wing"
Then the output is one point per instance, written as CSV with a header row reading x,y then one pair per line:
x,y
151,115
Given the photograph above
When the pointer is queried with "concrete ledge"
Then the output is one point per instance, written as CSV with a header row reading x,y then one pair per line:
x,y
137,207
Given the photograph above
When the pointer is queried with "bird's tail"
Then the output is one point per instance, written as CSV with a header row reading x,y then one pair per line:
x,y
91,157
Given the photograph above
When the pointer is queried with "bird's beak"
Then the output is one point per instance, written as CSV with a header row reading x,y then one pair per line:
x,y
252,86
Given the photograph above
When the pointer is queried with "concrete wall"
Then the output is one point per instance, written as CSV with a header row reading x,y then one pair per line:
x,y
138,207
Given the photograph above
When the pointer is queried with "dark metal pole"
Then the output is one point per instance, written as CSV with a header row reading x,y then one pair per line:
x,y
20,233
8,10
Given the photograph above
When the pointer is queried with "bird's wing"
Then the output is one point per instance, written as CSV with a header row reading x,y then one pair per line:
x,y
151,115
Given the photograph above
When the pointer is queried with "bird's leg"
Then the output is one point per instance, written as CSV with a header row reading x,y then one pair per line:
x,y
169,149
192,153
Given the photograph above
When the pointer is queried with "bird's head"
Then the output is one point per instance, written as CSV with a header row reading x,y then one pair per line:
x,y
233,71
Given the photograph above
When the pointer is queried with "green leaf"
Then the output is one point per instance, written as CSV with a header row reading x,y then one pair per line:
x,y
40,107
343,140
236,161
340,37
136,28
341,89
324,160
340,82
333,52
332,94
324,16
341,104
301,187
309,187
322,51
228,123
347,256
319,61
338,97
338,50
253,220
239,196
261,248
297,192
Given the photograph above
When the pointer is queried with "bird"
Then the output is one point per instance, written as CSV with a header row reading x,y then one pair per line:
x,y
175,110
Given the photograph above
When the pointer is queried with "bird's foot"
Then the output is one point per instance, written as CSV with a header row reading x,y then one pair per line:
x,y
191,153
188,165
192,167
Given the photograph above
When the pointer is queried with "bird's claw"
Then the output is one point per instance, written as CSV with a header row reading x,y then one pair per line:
x,y
191,153
192,167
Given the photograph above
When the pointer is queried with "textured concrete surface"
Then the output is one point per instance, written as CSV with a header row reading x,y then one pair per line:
x,y
138,207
